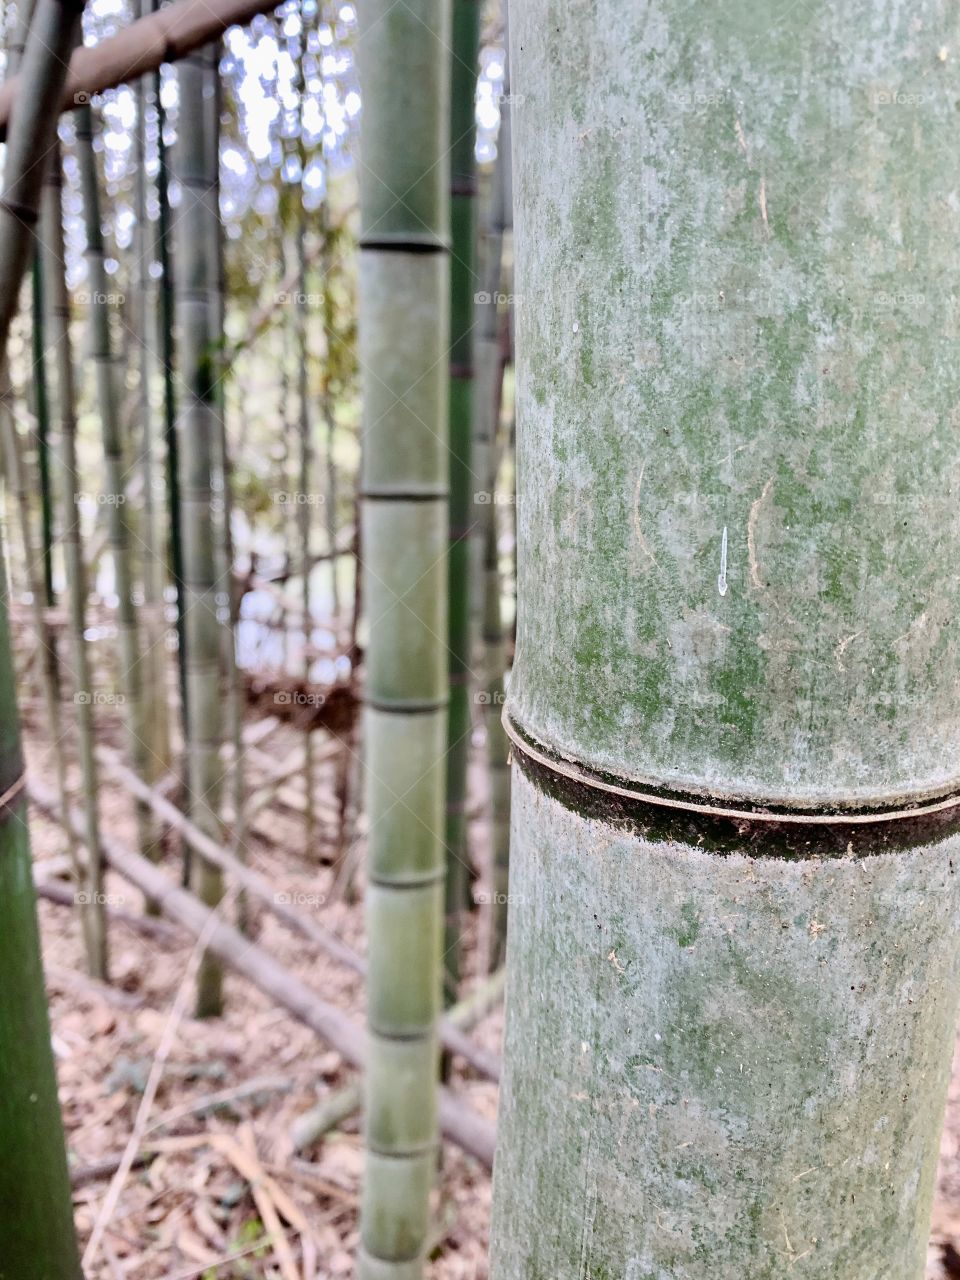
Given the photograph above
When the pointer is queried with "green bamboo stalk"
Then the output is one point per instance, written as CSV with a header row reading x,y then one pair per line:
x,y
497,745
38,387
42,414
166,299
304,507
114,490
404,309
463,286
144,317
234,681
498,218
326,395
733,968
36,1213
57,308
199,433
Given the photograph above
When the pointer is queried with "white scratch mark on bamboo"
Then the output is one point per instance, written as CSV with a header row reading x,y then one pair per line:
x,y
842,647
763,205
641,540
722,576
752,535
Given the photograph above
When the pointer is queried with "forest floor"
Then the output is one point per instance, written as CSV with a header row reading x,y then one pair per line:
x,y
188,1209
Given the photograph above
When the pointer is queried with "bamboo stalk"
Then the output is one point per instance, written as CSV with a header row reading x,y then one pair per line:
x,y
460,1124
113,493
42,415
57,306
486,453
327,412
463,287
166,314
304,507
198,429
497,746
144,317
234,680
403,54
733,967
37,1221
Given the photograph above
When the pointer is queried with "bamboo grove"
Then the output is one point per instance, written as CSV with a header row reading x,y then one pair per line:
x,y
352,732
180,584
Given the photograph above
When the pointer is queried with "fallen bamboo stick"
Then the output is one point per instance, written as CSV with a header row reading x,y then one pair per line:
x,y
65,895
451,1037
472,1132
346,1102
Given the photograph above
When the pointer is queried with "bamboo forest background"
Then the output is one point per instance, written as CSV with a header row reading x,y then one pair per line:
x,y
281,759
193,642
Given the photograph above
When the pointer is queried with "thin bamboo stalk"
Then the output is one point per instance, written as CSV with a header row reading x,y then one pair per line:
x,y
166,314
234,681
37,1221
57,306
198,428
486,454
463,287
144,317
42,415
304,508
327,412
113,493
403,53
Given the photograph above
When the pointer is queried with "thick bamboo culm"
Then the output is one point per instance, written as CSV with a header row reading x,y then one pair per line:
x,y
463,288
69,494
37,1217
404,60
113,492
198,431
734,972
